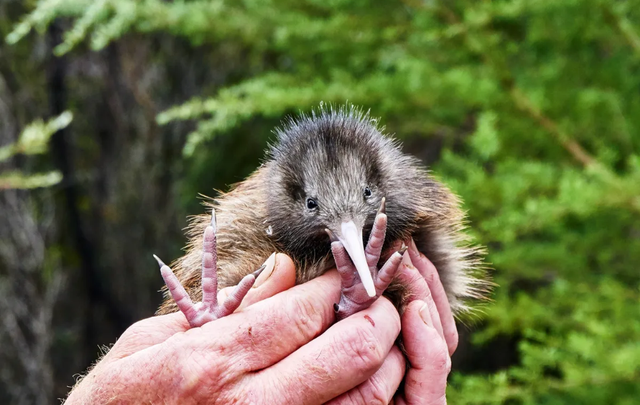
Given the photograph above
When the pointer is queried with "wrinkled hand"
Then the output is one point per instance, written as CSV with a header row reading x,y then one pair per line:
x,y
283,349
286,349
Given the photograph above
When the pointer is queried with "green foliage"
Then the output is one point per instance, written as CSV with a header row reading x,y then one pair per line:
x,y
537,106
24,181
32,141
34,138
593,346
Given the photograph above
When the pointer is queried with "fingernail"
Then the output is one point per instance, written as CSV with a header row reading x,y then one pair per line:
x,y
269,265
426,315
213,220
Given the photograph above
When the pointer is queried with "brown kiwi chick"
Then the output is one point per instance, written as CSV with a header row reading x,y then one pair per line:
x,y
323,188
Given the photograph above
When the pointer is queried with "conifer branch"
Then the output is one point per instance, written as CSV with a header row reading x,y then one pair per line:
x,y
571,145
625,28
522,102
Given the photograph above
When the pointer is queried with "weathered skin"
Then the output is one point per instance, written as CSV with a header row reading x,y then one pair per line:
x,y
285,348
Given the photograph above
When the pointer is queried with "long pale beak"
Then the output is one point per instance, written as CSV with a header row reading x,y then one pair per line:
x,y
351,238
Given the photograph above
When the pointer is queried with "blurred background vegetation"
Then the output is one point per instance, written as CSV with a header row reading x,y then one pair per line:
x,y
115,114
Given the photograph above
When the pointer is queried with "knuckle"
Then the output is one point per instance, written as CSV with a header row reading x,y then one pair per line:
x,y
351,398
243,393
306,316
376,392
134,330
440,360
200,376
363,348
364,396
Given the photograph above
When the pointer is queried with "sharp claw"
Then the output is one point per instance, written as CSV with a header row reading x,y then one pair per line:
x,y
403,249
332,236
383,207
213,220
160,262
260,269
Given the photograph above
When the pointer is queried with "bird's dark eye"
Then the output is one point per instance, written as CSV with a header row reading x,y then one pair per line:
x,y
367,192
312,204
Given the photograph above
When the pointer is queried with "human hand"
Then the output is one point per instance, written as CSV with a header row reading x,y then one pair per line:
x,y
270,352
429,335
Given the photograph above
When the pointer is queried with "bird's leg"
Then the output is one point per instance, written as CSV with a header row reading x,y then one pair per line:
x,y
354,297
209,309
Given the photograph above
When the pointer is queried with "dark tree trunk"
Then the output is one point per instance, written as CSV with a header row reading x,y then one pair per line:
x,y
95,285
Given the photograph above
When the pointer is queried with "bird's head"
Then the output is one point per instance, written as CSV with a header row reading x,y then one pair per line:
x,y
332,172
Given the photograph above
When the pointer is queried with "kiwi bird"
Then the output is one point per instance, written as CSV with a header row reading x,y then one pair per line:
x,y
333,191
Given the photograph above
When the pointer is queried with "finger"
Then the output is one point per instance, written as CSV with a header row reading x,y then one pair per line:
x,y
267,331
418,289
381,386
279,274
146,333
428,357
429,272
342,358
209,265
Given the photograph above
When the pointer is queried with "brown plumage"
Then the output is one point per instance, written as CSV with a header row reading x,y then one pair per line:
x,y
333,166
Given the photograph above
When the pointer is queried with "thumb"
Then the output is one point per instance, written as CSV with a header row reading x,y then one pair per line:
x,y
279,275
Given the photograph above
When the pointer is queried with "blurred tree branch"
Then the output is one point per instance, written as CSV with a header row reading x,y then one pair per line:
x,y
30,283
479,45
32,141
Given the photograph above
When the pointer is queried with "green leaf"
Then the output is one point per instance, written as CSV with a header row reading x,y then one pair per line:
x,y
27,181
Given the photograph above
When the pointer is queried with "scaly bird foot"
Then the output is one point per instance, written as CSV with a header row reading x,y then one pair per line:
x,y
354,297
209,309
